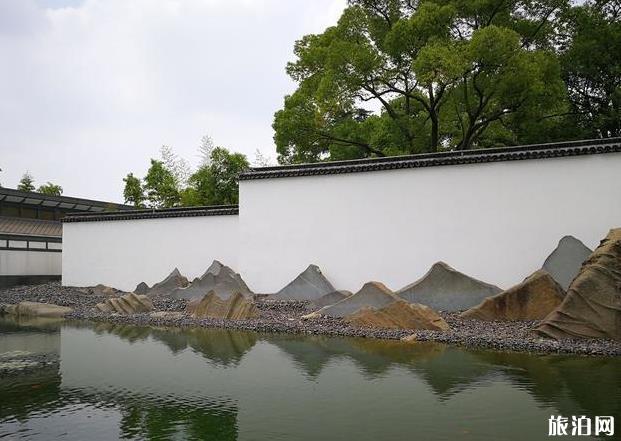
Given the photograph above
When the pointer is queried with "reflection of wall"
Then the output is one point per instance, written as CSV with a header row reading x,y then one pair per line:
x,y
496,222
124,253
32,338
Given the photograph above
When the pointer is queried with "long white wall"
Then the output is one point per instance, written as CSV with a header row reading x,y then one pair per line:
x,y
122,253
495,221
29,263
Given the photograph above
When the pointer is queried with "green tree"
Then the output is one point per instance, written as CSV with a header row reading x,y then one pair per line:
x,y
592,67
50,189
443,74
216,182
161,186
26,183
133,192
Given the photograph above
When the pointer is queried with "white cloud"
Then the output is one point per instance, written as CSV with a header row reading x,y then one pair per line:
x,y
91,90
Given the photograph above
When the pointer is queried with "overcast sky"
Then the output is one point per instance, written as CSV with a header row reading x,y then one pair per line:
x,y
90,89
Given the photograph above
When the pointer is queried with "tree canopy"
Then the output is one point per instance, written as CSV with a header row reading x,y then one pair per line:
x,y
169,182
399,76
26,183
50,189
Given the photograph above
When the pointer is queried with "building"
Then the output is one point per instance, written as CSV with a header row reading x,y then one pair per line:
x,y
494,214
31,233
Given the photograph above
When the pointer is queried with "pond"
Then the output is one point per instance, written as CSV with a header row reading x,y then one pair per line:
x,y
77,381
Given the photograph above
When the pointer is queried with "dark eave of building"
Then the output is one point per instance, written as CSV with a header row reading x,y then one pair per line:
x,y
215,210
35,199
18,226
524,152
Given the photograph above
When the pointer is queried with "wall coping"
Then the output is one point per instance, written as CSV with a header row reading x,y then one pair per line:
x,y
215,210
477,156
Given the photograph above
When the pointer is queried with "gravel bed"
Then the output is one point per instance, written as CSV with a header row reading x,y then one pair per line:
x,y
285,317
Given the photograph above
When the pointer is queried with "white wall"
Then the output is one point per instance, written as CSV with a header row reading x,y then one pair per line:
x,y
29,263
495,221
123,253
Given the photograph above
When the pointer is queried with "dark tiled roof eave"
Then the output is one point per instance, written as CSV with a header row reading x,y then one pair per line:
x,y
65,202
218,210
30,227
535,151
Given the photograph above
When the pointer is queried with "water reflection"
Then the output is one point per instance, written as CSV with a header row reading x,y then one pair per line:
x,y
113,381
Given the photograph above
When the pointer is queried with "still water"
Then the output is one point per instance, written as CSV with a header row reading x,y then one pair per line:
x,y
78,381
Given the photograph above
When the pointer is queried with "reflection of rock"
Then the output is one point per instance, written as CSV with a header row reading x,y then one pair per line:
x,y
218,278
128,304
309,285
532,299
592,306
331,298
141,288
36,309
565,261
372,294
398,315
560,380
446,289
236,307
166,286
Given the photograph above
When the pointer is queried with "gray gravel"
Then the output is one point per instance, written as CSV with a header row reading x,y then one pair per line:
x,y
285,316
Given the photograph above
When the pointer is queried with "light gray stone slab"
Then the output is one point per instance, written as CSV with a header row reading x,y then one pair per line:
x,y
564,263
372,294
218,278
445,289
309,285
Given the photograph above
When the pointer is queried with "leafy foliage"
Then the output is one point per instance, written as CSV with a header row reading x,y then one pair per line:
x,y
216,183
396,76
133,191
592,67
50,189
26,183
167,183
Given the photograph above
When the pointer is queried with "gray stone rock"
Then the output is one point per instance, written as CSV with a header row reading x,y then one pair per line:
x,y
566,260
36,309
168,285
130,303
372,294
446,289
309,285
331,298
218,278
142,288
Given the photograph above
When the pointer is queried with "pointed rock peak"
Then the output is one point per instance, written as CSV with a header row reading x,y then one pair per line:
x,y
215,268
443,288
375,287
442,265
565,261
221,279
175,273
172,281
308,285
313,267
141,288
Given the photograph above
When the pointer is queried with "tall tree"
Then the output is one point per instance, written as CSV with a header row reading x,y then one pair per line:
x,y
395,76
217,182
26,183
161,186
592,67
50,189
133,193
